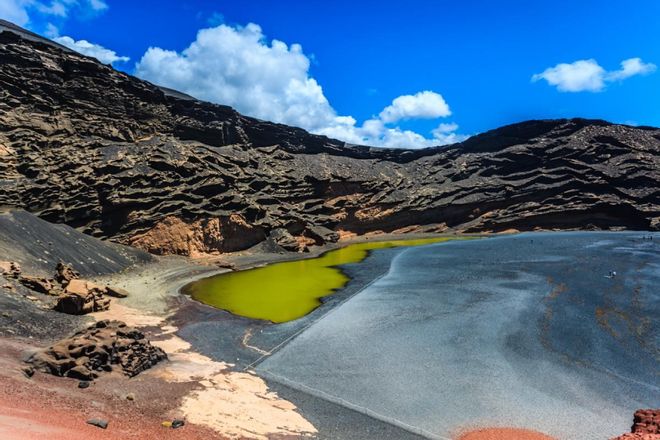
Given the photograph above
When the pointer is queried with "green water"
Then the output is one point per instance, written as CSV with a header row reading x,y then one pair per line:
x,y
285,291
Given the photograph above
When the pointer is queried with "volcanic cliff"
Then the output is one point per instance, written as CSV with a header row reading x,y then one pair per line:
x,y
120,158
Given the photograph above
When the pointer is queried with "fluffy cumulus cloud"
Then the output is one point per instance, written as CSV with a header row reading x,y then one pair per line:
x,y
589,76
631,67
97,51
424,105
238,66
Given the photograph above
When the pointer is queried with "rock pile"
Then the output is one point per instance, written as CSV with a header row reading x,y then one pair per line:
x,y
646,426
75,296
103,347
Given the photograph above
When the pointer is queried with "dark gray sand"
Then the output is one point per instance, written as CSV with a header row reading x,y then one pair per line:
x,y
528,330
223,336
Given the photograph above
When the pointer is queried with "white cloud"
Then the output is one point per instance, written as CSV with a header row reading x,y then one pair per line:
x,y
422,105
51,31
631,67
22,12
575,77
106,56
588,75
14,11
98,5
238,66
445,128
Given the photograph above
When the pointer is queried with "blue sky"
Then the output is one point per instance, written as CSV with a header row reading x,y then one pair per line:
x,y
356,57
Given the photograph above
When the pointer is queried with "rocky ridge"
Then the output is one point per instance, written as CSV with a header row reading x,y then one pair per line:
x,y
120,158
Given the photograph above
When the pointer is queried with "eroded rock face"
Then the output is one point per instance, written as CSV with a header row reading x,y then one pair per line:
x,y
119,158
173,235
102,347
646,426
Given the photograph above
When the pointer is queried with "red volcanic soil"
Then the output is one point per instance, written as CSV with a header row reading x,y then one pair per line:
x,y
504,434
54,408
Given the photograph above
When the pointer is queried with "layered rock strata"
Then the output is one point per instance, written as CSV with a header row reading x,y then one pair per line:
x,y
120,158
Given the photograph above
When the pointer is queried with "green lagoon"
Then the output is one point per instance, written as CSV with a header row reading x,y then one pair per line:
x,y
282,292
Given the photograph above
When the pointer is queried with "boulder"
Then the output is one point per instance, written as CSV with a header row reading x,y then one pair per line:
x,y
99,348
283,238
322,234
83,287
81,303
74,304
116,292
81,297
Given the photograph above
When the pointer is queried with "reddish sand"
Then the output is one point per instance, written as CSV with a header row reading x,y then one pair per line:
x,y
504,434
53,408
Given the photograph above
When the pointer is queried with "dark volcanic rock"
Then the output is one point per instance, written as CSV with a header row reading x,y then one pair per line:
x,y
117,157
97,349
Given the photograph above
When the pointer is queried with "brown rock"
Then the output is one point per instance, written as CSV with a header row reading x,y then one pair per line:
x,y
75,304
82,297
172,235
83,287
646,426
5,267
40,285
96,350
116,292
65,273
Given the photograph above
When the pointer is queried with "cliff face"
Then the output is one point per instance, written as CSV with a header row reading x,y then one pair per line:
x,y
119,158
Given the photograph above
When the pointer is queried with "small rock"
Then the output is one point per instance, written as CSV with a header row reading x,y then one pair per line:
x,y
79,372
130,396
10,269
65,273
177,423
83,384
116,292
101,423
28,372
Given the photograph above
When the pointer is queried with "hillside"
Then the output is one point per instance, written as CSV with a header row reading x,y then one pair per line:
x,y
121,159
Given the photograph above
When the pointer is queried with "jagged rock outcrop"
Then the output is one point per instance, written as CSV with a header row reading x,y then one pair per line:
x,y
119,158
646,426
102,347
